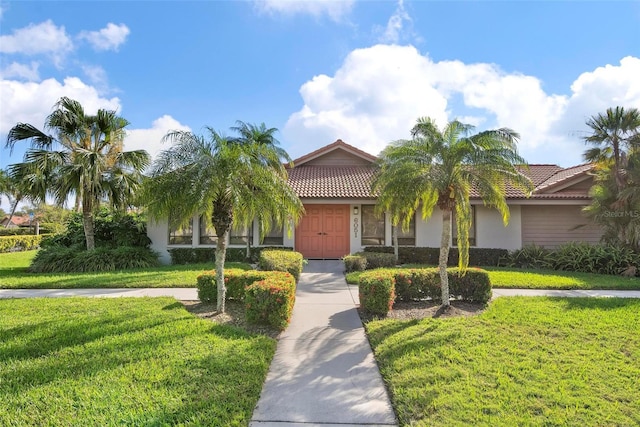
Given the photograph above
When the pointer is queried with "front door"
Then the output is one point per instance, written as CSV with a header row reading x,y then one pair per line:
x,y
323,232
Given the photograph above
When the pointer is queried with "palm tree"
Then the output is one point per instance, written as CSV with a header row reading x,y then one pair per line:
x,y
89,164
250,133
441,168
614,133
224,181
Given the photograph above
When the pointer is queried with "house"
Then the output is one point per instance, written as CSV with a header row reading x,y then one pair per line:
x,y
16,221
333,183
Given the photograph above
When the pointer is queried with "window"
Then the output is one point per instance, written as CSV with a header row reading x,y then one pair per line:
x,y
406,238
372,227
240,237
472,229
207,234
181,236
275,237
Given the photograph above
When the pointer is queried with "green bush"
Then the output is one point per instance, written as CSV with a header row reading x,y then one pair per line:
x,y
473,285
21,231
271,300
355,262
430,256
600,259
111,229
417,284
379,260
77,259
20,242
200,255
577,256
530,256
235,282
279,260
377,291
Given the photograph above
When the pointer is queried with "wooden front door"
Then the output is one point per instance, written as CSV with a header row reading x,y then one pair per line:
x,y
323,232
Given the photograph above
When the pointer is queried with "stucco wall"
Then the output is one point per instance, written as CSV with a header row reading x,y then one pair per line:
x,y
491,232
158,232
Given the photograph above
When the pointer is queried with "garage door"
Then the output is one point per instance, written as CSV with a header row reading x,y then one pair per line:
x,y
323,233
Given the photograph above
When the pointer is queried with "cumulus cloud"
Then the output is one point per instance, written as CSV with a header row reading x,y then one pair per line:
x,y
151,139
21,71
31,102
378,92
334,9
108,38
34,39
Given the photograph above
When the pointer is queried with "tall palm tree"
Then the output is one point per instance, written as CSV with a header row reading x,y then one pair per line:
x,y
439,168
84,158
614,133
224,181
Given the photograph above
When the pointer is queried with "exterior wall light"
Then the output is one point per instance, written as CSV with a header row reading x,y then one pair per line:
x,y
355,210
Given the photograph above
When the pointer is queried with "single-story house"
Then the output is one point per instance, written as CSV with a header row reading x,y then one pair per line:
x,y
333,183
16,221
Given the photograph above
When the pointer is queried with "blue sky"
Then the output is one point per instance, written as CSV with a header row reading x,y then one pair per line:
x,y
322,70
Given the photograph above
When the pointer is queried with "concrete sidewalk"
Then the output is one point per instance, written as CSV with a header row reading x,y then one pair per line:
x,y
324,372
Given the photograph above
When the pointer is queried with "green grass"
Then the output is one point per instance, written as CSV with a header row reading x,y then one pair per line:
x,y
543,279
125,361
524,361
13,275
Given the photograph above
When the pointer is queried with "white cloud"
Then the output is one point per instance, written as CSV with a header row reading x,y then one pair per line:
x,y
108,38
31,102
96,75
335,9
399,26
21,71
378,92
151,139
34,39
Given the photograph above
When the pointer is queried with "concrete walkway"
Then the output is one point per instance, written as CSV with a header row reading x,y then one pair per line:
x,y
324,373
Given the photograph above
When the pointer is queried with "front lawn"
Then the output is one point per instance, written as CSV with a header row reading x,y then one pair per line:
x,y
524,361
502,277
125,361
13,275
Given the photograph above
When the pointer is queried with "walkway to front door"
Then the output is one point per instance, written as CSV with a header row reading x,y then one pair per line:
x,y
323,232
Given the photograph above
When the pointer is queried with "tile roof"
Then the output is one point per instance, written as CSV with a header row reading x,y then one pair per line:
x,y
331,181
354,182
564,175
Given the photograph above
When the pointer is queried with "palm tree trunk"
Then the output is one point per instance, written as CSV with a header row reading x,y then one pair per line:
x,y
221,252
14,206
444,256
88,224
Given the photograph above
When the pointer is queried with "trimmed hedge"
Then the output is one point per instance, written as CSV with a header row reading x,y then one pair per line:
x,y
279,260
376,290
16,243
200,255
235,282
355,262
77,260
423,255
271,300
418,284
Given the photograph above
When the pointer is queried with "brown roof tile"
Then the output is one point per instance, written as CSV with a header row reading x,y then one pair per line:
x,y
331,181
